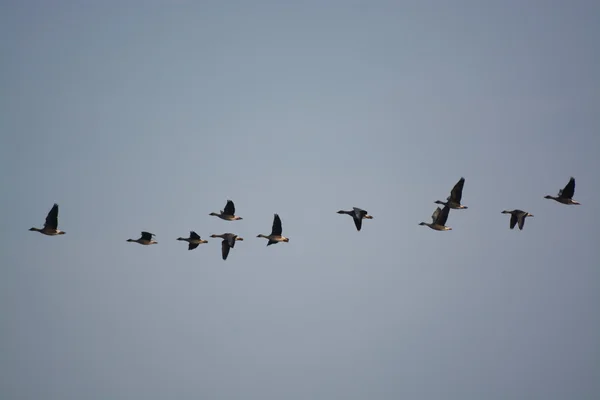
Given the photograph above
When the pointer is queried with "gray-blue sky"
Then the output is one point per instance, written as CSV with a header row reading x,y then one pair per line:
x,y
149,117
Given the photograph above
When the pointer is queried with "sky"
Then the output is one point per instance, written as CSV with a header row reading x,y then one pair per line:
x,y
149,117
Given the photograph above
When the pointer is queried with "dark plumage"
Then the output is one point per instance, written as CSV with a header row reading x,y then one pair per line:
x,y
276,232
228,242
145,239
228,213
438,219
565,195
193,241
357,215
453,201
517,216
51,225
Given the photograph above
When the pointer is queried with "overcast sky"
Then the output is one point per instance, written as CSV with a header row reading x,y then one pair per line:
x,y
148,117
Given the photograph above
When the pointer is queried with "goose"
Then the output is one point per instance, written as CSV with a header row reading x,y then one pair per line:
x,y
439,218
455,196
227,243
357,215
228,213
565,195
51,226
194,240
275,236
145,239
517,216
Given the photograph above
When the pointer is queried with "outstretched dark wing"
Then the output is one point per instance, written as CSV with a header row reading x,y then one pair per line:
x,y
513,220
192,246
358,216
569,190
357,222
276,230
443,216
52,218
270,242
194,235
229,208
224,249
522,221
456,193
147,235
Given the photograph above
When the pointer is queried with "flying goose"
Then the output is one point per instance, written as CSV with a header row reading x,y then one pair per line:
x,y
357,215
439,218
228,213
227,243
565,196
145,239
194,240
275,235
455,196
51,226
517,216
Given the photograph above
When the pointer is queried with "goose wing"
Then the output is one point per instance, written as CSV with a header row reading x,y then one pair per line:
x,y
522,221
358,216
456,193
435,215
569,190
225,249
229,208
52,218
357,222
513,219
443,216
192,246
231,239
194,235
147,235
276,229
359,212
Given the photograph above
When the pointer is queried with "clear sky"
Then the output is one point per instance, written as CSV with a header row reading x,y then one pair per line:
x,y
150,116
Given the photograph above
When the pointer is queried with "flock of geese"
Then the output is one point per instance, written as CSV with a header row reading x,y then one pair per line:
x,y
438,223
440,215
